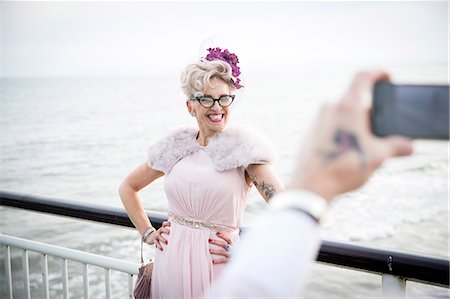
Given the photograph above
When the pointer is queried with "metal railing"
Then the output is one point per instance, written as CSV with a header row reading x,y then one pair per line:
x,y
395,267
65,254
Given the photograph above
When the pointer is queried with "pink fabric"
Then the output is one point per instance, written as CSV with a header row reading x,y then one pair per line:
x,y
195,189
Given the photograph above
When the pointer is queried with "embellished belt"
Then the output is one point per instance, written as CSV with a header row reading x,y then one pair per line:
x,y
199,224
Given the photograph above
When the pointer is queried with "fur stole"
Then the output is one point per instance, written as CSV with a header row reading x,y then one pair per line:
x,y
235,146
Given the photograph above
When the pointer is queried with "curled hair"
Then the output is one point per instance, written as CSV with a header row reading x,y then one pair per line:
x,y
198,75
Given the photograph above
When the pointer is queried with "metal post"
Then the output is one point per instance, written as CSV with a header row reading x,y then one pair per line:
x,y
44,269
26,273
130,286
108,283
86,281
393,286
8,281
65,279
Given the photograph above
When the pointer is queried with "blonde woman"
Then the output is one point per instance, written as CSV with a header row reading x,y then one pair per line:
x,y
208,171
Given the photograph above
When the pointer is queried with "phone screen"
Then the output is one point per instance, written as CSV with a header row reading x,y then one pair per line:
x,y
416,111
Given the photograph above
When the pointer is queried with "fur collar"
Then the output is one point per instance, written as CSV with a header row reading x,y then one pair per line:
x,y
235,146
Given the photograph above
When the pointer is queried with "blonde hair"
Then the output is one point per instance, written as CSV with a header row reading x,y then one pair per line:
x,y
198,75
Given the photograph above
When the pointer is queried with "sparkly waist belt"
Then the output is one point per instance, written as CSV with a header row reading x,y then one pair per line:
x,y
199,224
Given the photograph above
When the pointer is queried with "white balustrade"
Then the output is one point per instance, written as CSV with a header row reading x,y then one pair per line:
x,y
66,254
392,286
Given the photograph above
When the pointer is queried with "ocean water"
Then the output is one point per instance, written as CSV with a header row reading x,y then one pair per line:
x,y
77,139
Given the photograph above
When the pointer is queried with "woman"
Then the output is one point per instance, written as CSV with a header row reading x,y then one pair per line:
x,y
209,171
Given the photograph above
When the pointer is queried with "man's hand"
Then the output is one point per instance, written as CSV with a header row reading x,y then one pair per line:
x,y
341,152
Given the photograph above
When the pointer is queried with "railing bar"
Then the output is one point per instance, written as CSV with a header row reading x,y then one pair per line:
x,y
9,289
130,286
65,279
392,285
87,210
26,273
432,270
108,283
86,281
71,254
44,269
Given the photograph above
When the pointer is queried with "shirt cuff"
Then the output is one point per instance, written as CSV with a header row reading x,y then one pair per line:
x,y
300,200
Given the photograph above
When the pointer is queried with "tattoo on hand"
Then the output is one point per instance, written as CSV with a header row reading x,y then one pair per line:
x,y
345,141
266,189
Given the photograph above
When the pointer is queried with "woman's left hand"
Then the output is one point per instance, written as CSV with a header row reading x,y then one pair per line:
x,y
225,244
156,237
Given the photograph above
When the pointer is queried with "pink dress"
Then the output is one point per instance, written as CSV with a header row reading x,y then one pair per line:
x,y
201,201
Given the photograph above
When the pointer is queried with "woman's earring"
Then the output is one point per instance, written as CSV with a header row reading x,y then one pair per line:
x,y
193,114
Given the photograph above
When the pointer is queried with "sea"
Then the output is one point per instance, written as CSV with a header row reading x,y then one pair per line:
x,y
77,138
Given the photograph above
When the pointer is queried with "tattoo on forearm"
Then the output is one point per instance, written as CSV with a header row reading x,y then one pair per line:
x,y
267,189
344,142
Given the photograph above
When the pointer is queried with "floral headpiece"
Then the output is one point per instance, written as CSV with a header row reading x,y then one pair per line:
x,y
230,58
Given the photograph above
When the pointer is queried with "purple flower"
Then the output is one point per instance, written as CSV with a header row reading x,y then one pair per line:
x,y
230,58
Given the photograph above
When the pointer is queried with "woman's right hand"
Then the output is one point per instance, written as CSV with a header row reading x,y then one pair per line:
x,y
157,237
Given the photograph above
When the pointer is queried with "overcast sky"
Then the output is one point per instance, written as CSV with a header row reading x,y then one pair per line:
x,y
120,38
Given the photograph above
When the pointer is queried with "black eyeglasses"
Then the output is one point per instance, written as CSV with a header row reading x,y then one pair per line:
x,y
208,102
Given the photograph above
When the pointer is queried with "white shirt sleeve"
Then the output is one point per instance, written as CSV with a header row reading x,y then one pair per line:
x,y
272,260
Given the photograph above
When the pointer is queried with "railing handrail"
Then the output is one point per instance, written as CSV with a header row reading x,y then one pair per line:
x,y
414,267
71,254
87,211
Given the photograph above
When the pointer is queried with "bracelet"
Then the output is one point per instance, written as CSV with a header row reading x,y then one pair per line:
x,y
147,233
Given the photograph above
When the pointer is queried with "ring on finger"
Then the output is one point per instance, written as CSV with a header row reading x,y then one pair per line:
x,y
227,247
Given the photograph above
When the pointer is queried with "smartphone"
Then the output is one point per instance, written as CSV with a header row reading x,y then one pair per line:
x,y
415,111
